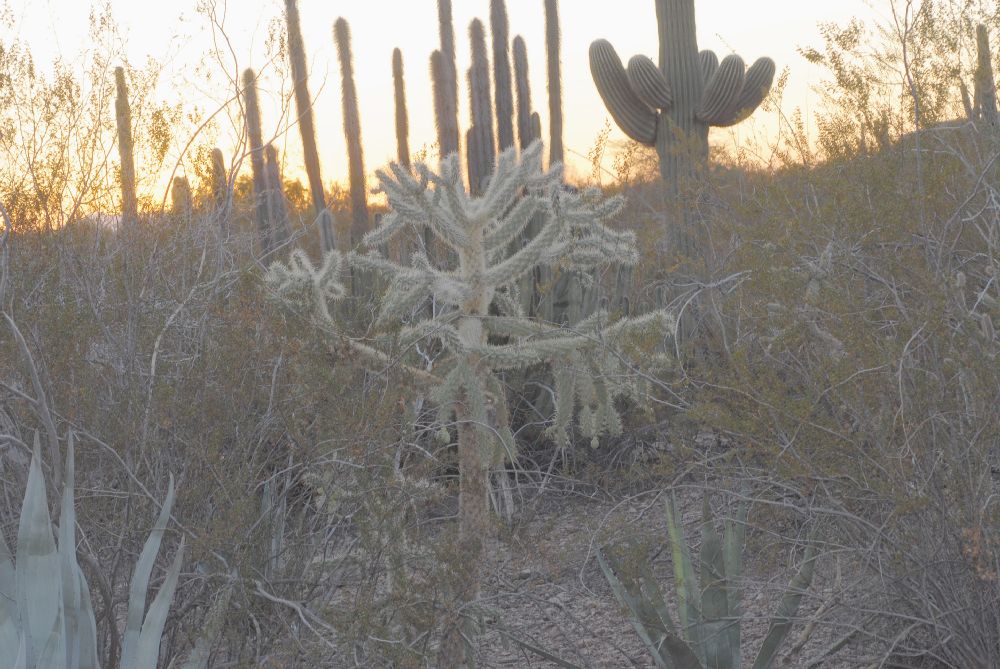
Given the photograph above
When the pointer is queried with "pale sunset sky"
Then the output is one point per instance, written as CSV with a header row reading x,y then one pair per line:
x,y
177,34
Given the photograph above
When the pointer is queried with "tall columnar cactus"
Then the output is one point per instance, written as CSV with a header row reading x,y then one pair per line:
x,y
708,607
46,616
181,204
552,47
445,112
448,127
480,107
504,97
221,196
522,86
352,132
671,105
255,141
985,91
307,127
277,208
126,149
477,296
402,118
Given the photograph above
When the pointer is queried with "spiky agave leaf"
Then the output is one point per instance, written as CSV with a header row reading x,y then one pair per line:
x,y
782,621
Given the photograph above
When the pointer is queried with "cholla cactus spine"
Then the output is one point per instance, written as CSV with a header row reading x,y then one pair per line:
x,y
352,132
126,149
307,127
402,118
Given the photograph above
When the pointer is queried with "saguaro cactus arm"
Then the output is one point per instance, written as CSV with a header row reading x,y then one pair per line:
x,y
633,116
123,118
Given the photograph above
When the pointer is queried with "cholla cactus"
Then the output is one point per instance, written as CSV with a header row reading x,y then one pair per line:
x,y
477,303
46,618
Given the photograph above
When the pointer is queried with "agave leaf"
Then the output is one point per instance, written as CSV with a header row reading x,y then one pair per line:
x,y
38,592
717,623
654,595
644,618
686,583
148,646
21,659
781,623
9,637
140,582
87,627
732,548
53,654
67,559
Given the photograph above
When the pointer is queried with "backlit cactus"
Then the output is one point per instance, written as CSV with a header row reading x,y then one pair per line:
x,y
522,85
221,196
444,74
255,141
552,47
352,132
277,208
126,149
671,105
985,106
481,111
181,205
402,118
504,97
307,127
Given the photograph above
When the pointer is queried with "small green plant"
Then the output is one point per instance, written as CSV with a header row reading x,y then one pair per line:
x,y
46,619
709,613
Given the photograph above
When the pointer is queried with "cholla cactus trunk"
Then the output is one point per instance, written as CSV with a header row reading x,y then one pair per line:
x,y
504,96
221,196
448,130
255,139
522,86
352,132
481,108
277,208
985,83
402,118
181,205
307,126
552,46
126,149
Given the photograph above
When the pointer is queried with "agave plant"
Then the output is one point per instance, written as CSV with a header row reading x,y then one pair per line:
x,y
46,618
708,634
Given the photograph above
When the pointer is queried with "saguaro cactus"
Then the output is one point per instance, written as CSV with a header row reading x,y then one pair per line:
x,y
402,120
525,132
352,132
307,127
504,97
255,139
180,199
220,190
985,91
552,46
671,106
445,77
126,149
277,209
481,109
